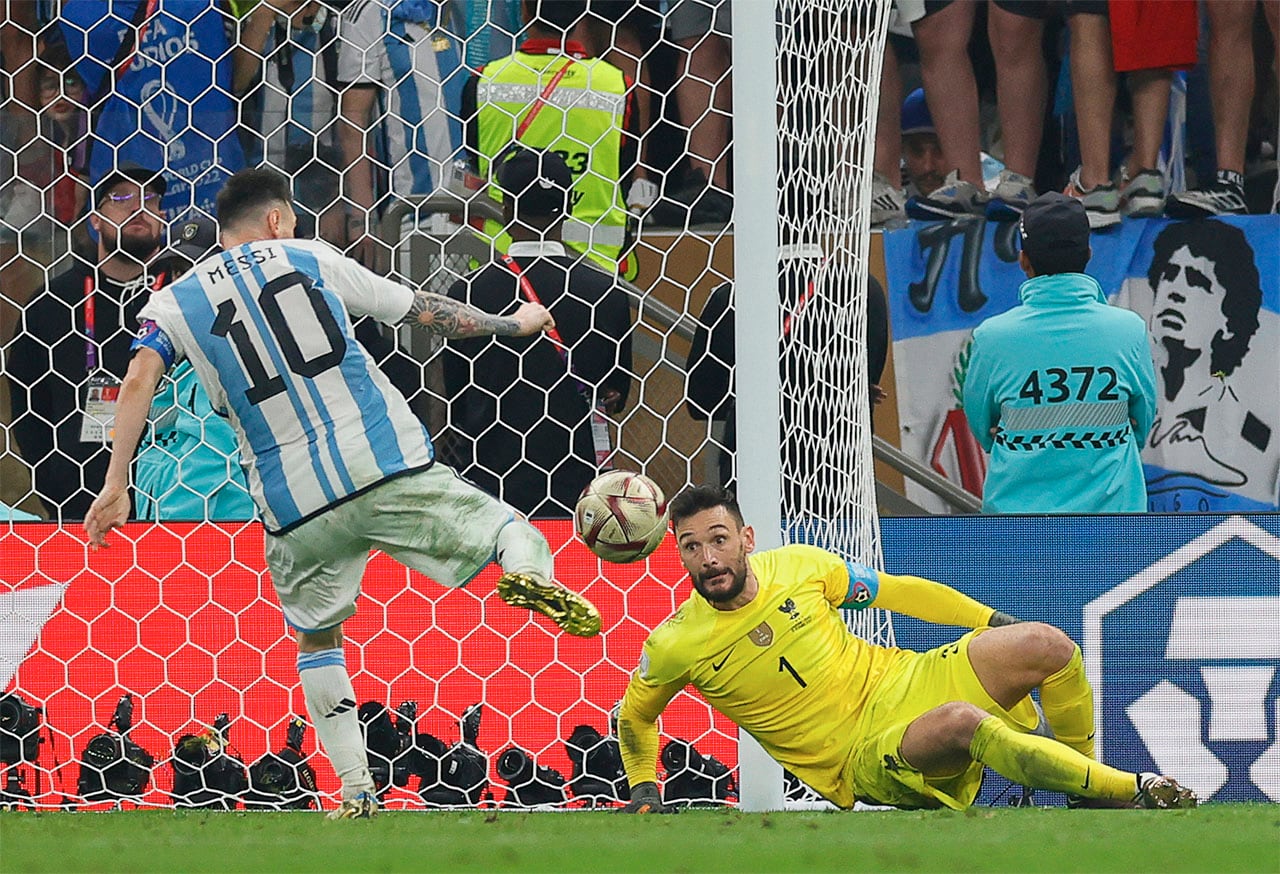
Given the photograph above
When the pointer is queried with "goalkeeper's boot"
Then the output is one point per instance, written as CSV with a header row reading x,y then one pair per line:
x,y
1163,793
362,806
572,612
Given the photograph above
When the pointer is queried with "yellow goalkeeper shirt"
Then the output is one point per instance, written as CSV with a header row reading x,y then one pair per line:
x,y
785,667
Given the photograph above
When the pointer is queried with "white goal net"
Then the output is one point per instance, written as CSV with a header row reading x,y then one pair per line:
x,y
160,671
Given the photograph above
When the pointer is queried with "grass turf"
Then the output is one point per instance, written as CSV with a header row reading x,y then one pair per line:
x,y
1217,838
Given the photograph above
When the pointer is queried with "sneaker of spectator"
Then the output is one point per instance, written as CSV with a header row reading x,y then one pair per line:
x,y
641,196
1101,202
942,32
696,202
888,203
1143,195
954,199
1223,196
703,31
1012,194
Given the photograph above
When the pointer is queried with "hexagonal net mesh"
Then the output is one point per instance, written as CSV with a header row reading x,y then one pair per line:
x,y
160,671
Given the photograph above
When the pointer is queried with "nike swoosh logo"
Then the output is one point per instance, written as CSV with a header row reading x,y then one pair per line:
x,y
1087,772
715,666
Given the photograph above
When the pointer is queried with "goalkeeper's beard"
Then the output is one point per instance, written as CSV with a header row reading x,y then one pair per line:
x,y
738,575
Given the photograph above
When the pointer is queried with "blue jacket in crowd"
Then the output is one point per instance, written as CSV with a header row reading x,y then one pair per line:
x,y
1061,392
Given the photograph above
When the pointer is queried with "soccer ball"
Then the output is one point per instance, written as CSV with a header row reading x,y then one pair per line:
x,y
621,516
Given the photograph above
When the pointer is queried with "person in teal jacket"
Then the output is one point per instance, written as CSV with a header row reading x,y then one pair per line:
x,y
1061,390
188,465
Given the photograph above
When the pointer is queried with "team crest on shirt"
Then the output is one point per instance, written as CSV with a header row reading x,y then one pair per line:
x,y
792,612
761,635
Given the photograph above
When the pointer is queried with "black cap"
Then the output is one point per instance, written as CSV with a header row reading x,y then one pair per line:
x,y
194,239
1054,225
539,181
129,171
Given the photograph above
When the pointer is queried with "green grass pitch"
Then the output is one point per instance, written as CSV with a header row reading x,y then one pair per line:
x,y
1216,838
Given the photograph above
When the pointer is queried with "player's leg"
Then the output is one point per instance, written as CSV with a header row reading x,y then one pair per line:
x,y
946,740
316,570
331,703
1012,660
461,532
527,581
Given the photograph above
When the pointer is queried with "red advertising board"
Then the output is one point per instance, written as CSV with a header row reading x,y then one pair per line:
x,y
183,616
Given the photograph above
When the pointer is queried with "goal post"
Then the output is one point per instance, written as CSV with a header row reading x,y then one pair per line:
x,y
801,222
755,261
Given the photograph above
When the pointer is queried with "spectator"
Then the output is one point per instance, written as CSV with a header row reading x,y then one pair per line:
x,y
1061,390
530,411
922,156
75,337
50,184
160,91
289,116
403,52
1106,39
624,32
888,199
188,466
535,97
64,124
702,28
942,29
1231,86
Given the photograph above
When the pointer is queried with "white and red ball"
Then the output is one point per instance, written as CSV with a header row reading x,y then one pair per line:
x,y
621,516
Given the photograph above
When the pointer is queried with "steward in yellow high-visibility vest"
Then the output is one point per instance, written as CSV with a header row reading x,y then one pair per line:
x,y
551,96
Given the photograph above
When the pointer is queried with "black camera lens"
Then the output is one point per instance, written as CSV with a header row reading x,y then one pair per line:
x,y
10,714
515,766
678,755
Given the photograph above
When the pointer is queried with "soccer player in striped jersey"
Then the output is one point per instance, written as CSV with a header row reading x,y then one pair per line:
x,y
762,639
337,463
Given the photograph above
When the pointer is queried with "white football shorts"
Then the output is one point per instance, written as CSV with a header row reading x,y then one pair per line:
x,y
432,521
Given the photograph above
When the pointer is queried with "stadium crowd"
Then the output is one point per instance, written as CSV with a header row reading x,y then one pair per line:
x,y
372,104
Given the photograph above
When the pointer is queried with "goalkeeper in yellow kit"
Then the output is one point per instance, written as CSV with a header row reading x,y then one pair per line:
x,y
762,639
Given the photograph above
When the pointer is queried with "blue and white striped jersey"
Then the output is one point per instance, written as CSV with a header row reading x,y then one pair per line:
x,y
267,326
417,64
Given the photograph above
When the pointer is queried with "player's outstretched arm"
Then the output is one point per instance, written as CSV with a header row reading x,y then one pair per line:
x,y
111,508
638,743
935,602
638,740
450,318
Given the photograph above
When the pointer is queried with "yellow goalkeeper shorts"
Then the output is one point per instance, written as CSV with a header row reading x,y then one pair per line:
x,y
876,769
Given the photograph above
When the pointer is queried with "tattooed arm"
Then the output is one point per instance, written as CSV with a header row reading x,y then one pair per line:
x,y
450,318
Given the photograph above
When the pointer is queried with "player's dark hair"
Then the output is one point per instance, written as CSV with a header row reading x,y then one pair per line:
x,y
1234,267
1047,264
695,499
555,16
249,192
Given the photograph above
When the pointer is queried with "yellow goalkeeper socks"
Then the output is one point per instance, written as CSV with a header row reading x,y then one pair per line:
x,y
1043,763
1067,701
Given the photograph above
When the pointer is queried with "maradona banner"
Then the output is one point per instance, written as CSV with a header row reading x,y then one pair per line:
x,y
1178,617
1210,294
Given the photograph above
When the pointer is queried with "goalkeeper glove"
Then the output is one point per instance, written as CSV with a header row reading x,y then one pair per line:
x,y
997,619
645,798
